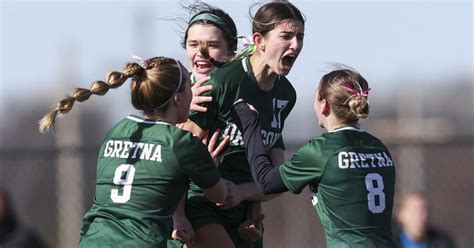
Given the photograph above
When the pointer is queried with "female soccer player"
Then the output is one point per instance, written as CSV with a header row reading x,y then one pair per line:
x,y
278,30
145,163
210,40
350,173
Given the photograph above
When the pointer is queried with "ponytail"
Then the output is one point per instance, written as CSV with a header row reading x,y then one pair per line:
x,y
113,80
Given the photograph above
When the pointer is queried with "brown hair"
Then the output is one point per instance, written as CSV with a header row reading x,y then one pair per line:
x,y
230,36
153,85
270,14
346,91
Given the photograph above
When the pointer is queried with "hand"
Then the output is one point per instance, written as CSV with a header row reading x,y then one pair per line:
x,y
182,230
198,90
243,114
217,152
252,229
234,197
245,105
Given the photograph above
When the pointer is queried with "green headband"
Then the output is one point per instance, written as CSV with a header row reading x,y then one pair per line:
x,y
212,18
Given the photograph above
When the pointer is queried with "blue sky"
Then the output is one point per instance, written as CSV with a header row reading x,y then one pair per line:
x,y
50,47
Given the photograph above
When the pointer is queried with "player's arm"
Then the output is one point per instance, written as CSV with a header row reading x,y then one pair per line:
x,y
267,177
182,228
277,155
192,127
250,191
217,193
197,164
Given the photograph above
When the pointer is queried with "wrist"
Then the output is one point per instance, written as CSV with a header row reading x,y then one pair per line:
x,y
244,191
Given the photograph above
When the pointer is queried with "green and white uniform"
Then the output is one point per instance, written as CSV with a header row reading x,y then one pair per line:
x,y
234,81
352,178
143,170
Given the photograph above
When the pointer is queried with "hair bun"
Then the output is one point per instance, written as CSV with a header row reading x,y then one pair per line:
x,y
359,106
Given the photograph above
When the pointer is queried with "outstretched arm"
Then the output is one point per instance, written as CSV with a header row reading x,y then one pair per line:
x,y
182,229
266,175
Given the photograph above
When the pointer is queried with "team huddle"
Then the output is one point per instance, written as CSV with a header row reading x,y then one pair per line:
x,y
193,170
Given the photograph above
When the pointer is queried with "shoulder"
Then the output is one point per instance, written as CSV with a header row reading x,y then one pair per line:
x,y
317,148
376,141
184,143
226,80
231,71
328,142
284,85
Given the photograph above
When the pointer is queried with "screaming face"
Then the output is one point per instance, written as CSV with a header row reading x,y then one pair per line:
x,y
199,34
282,45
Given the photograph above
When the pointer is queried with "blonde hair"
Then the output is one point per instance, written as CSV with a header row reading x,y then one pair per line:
x,y
153,85
347,92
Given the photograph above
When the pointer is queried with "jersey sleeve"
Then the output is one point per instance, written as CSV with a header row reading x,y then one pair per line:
x,y
208,120
196,163
306,166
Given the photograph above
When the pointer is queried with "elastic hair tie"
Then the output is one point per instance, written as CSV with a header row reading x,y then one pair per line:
x,y
349,88
140,61
245,48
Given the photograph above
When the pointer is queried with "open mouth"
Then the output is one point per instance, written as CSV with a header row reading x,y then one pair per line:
x,y
203,66
288,60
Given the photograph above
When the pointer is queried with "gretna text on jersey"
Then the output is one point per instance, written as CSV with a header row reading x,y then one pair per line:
x,y
350,160
128,149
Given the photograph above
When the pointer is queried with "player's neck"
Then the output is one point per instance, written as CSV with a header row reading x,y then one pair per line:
x,y
264,75
163,117
332,123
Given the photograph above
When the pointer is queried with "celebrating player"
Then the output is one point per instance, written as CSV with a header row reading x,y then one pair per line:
x,y
145,163
350,172
209,41
278,30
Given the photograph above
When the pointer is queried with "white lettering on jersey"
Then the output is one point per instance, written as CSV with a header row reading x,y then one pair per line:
x,y
128,149
363,162
352,160
388,159
117,148
137,147
109,148
344,161
157,154
146,153
269,138
278,106
234,134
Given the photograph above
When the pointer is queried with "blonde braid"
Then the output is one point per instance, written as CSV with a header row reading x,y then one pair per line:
x,y
114,79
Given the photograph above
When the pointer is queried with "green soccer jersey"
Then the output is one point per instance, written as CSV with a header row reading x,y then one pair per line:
x,y
143,170
236,81
352,179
